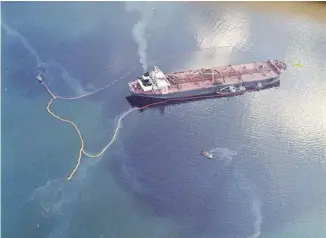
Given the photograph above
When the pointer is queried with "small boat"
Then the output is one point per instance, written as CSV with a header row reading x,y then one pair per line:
x,y
206,154
230,91
39,79
229,94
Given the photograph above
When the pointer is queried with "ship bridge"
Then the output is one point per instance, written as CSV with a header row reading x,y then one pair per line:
x,y
155,80
159,78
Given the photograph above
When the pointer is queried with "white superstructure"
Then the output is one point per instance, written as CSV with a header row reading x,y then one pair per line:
x,y
154,80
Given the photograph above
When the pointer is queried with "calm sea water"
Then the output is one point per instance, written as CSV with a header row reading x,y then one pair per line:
x,y
269,167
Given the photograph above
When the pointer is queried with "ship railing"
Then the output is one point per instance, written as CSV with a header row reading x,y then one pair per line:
x,y
274,67
188,79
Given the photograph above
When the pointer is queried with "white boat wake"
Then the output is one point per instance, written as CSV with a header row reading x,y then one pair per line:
x,y
223,154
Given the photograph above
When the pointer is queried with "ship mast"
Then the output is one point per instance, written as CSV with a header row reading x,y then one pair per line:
x,y
238,73
212,75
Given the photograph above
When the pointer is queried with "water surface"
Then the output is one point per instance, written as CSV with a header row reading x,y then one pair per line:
x,y
266,178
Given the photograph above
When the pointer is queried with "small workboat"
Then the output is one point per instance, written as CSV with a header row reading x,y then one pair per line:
x,y
206,154
39,79
230,91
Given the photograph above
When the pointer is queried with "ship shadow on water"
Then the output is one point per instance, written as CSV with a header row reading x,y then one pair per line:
x,y
161,104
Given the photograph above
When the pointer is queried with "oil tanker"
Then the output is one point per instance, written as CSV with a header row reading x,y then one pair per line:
x,y
223,81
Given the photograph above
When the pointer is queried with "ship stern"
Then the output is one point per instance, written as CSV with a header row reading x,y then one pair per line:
x,y
132,86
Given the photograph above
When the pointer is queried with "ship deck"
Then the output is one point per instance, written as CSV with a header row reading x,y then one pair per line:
x,y
231,74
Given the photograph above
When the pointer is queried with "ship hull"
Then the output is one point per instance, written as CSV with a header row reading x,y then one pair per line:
x,y
250,86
